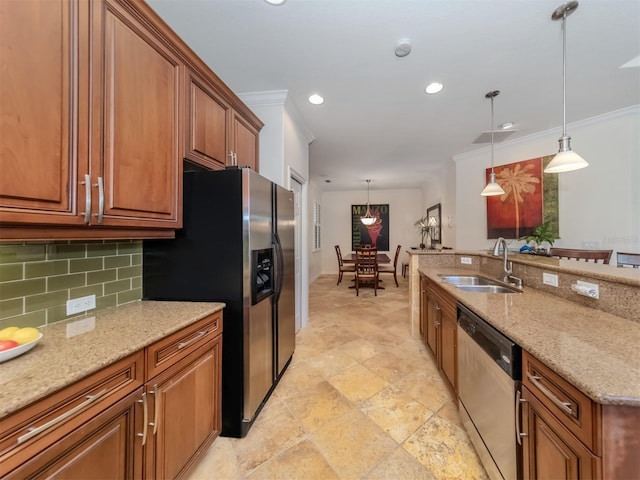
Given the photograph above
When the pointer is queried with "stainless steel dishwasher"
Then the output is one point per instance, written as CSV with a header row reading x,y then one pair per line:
x,y
489,374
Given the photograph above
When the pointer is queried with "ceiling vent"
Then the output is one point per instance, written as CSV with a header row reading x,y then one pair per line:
x,y
498,136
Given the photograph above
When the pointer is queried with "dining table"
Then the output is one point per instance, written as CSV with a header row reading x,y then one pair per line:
x,y
380,258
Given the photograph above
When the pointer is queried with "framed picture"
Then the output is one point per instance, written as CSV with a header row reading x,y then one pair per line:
x,y
530,199
376,234
434,217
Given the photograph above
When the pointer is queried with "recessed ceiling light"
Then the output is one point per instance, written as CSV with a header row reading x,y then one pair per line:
x,y
275,2
505,126
434,87
316,99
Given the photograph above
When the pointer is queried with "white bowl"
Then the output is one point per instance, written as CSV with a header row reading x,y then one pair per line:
x,y
19,350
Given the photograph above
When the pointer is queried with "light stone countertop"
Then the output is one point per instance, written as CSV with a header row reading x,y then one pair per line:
x,y
59,360
597,352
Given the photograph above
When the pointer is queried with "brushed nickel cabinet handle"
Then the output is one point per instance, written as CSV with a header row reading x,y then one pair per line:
x,y
156,405
564,406
145,415
193,340
87,198
517,410
34,431
100,199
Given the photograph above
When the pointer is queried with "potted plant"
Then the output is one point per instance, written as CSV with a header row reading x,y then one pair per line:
x,y
421,224
541,234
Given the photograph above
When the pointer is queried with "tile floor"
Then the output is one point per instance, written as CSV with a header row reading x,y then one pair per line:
x,y
360,400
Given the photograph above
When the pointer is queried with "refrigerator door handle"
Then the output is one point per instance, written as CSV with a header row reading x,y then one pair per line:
x,y
279,267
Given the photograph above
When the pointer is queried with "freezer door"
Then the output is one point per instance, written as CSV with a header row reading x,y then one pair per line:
x,y
284,309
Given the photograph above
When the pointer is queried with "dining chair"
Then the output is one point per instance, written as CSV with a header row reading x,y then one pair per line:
x,y
391,269
366,269
628,259
342,268
578,254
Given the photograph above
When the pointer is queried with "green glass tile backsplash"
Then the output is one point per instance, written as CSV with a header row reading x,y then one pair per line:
x,y
37,280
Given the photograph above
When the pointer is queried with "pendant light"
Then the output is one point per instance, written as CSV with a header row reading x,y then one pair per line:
x,y
368,219
566,159
492,188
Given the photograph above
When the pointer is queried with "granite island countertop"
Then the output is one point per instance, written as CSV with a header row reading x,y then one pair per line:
x,y
597,352
62,358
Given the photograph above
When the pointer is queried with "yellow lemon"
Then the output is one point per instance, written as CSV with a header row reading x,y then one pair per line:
x,y
25,335
6,333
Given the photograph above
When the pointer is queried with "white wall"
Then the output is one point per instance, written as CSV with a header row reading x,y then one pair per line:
x,y
441,188
405,207
600,203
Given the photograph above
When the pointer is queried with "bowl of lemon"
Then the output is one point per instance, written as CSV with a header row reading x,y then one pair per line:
x,y
15,341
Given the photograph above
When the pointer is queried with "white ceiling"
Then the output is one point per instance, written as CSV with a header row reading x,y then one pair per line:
x,y
376,121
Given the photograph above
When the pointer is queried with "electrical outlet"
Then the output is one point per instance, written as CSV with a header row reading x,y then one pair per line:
x,y
550,279
465,260
590,286
81,304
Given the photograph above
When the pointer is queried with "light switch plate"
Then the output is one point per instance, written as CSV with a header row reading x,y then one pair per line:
x,y
550,279
465,260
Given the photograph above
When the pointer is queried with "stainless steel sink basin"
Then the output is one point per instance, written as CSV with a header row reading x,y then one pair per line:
x,y
487,289
475,283
467,280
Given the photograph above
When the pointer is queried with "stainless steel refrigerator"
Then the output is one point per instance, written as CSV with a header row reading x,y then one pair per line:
x,y
236,247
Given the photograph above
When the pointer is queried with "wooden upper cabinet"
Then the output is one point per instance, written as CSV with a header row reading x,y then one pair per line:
x,y
138,156
207,122
244,142
38,111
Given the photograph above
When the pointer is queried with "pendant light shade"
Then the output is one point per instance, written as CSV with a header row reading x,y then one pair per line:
x,y
368,219
492,188
566,159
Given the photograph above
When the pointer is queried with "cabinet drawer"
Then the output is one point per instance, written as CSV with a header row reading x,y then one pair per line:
x,y
32,429
166,352
573,408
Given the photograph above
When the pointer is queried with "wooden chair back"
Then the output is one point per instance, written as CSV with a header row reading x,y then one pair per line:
x,y
366,262
366,268
395,259
628,259
586,255
339,254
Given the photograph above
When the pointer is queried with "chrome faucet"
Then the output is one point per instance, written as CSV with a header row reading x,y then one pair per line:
x,y
506,264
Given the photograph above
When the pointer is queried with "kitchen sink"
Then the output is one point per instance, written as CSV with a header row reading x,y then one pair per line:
x,y
487,289
474,283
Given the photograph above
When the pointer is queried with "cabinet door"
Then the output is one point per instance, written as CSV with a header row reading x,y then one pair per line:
x,y
244,142
448,350
138,132
107,446
186,410
549,449
207,122
38,111
433,323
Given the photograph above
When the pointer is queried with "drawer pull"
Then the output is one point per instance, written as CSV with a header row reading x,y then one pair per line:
x,y
34,431
564,406
87,198
157,408
193,340
144,418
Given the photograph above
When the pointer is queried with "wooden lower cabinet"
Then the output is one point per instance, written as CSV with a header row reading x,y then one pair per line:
x,y
114,424
439,327
550,450
566,435
184,412
104,447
